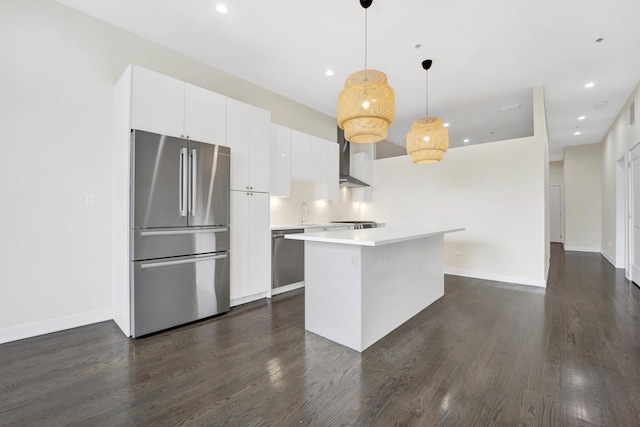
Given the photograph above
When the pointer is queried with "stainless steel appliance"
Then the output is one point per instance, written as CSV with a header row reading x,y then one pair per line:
x,y
359,225
180,231
287,259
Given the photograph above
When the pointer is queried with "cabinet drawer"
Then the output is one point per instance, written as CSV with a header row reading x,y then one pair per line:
x,y
174,291
168,242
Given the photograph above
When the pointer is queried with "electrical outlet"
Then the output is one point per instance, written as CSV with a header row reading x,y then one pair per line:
x,y
354,258
458,253
90,201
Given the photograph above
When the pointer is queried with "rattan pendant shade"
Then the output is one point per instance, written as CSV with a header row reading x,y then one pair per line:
x,y
366,107
367,104
428,139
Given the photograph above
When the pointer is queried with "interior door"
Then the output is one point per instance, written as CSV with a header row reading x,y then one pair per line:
x,y
209,184
158,190
555,213
635,214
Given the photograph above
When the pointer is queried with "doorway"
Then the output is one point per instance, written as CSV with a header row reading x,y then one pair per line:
x,y
634,214
556,222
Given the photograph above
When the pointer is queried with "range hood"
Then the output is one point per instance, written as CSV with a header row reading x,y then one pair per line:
x,y
346,180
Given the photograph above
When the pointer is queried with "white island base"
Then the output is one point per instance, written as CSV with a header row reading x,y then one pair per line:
x,y
359,289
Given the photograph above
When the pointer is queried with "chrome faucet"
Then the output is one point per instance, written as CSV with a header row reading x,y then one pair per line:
x,y
303,206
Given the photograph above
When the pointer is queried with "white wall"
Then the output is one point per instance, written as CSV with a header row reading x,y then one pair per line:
x,y
619,139
556,173
58,69
494,190
582,197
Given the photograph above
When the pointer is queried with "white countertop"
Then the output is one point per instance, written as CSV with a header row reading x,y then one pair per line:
x,y
373,236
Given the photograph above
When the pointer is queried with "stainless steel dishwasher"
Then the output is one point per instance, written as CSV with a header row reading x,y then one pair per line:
x,y
287,260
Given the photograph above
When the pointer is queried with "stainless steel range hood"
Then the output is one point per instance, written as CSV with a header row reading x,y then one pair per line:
x,y
346,180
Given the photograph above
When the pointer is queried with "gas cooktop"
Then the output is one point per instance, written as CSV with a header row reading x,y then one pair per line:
x,y
359,224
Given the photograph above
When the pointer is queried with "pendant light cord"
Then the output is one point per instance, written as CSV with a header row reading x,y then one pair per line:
x,y
427,94
365,39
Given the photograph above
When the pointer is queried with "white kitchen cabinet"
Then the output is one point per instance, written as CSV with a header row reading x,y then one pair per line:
x,y
325,169
319,158
300,156
168,106
204,115
280,161
333,180
157,103
362,169
248,130
250,246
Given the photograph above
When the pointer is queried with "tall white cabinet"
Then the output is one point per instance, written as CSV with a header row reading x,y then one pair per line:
x,y
248,135
157,103
280,161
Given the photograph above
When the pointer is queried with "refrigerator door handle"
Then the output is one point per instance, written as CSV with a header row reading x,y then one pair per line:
x,y
193,159
182,193
181,232
146,265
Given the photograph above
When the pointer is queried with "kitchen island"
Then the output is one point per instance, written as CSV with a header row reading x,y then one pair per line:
x,y
362,284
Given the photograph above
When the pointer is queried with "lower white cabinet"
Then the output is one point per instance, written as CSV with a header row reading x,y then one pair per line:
x,y
250,247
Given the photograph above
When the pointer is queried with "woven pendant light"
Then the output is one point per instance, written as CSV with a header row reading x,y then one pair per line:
x,y
366,105
428,139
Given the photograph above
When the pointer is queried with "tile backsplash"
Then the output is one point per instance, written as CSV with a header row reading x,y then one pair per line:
x,y
286,211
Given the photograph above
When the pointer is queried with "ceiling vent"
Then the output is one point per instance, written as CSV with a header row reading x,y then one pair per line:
x,y
509,107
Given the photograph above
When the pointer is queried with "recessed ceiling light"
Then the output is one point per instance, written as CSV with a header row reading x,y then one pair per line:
x,y
466,140
222,8
446,125
581,118
577,133
589,85
329,72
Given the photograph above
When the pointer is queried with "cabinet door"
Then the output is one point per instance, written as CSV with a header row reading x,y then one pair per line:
x,y
239,244
250,244
281,161
238,119
157,103
259,244
319,157
204,115
333,177
300,156
259,150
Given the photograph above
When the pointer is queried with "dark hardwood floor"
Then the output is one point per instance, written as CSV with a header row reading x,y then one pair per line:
x,y
485,354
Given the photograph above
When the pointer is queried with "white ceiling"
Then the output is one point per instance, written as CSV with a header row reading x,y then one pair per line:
x,y
487,54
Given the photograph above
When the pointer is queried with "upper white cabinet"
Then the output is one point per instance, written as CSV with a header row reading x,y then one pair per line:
x,y
280,161
325,169
204,115
300,156
248,130
157,103
319,157
362,168
168,106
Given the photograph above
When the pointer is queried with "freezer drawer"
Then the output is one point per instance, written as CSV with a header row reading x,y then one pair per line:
x,y
174,291
170,242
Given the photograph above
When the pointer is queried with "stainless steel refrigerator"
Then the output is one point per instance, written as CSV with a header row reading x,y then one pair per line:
x,y
179,231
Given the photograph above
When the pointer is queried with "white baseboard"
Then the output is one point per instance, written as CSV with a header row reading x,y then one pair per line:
x,y
581,249
250,298
611,259
30,330
287,288
528,281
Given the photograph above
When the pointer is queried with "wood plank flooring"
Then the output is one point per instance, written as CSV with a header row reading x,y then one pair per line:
x,y
486,354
